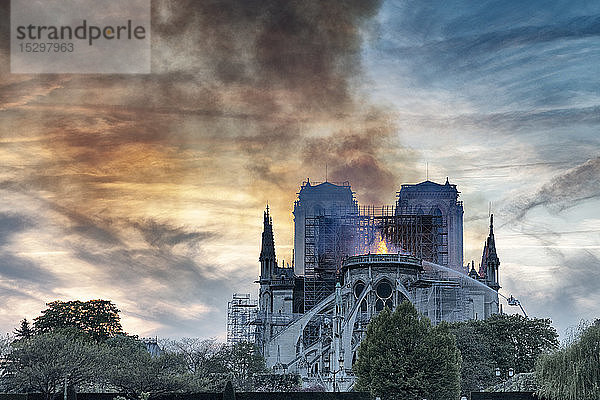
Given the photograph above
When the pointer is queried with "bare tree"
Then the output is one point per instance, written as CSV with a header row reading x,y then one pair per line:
x,y
202,356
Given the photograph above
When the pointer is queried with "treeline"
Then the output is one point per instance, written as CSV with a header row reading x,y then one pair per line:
x,y
502,342
81,345
404,357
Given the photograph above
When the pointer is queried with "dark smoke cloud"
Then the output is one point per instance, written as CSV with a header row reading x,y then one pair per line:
x,y
287,65
354,155
308,47
564,191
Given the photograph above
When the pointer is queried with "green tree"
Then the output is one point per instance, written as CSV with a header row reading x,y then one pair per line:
x,y
43,362
5,341
402,357
442,362
130,368
572,372
98,318
24,331
478,365
501,341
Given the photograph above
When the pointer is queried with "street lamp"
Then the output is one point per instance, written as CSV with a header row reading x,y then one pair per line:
x,y
340,369
509,374
335,372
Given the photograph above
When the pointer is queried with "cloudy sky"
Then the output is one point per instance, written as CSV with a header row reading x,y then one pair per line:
x,y
148,190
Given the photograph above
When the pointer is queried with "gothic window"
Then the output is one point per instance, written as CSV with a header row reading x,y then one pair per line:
x,y
384,291
358,289
363,306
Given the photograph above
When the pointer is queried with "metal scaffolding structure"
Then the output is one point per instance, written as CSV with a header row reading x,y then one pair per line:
x,y
445,295
241,312
329,238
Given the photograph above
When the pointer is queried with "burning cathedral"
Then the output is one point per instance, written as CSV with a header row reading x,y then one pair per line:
x,y
350,262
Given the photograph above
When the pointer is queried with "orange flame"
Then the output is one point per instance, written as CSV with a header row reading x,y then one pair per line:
x,y
382,248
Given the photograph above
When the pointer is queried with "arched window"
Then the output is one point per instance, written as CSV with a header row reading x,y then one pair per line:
x,y
384,291
267,301
358,289
363,306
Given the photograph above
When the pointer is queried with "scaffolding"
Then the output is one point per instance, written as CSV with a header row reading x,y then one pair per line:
x,y
241,312
343,232
328,239
442,294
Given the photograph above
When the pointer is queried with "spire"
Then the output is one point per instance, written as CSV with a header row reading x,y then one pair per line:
x,y
491,242
268,242
472,273
489,260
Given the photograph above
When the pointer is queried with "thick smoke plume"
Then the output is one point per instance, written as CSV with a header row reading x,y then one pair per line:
x,y
309,48
566,190
288,71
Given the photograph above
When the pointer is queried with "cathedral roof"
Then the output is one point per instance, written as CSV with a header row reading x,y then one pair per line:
x,y
430,186
326,190
326,187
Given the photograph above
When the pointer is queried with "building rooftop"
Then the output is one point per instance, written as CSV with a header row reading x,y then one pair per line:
x,y
429,186
338,191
